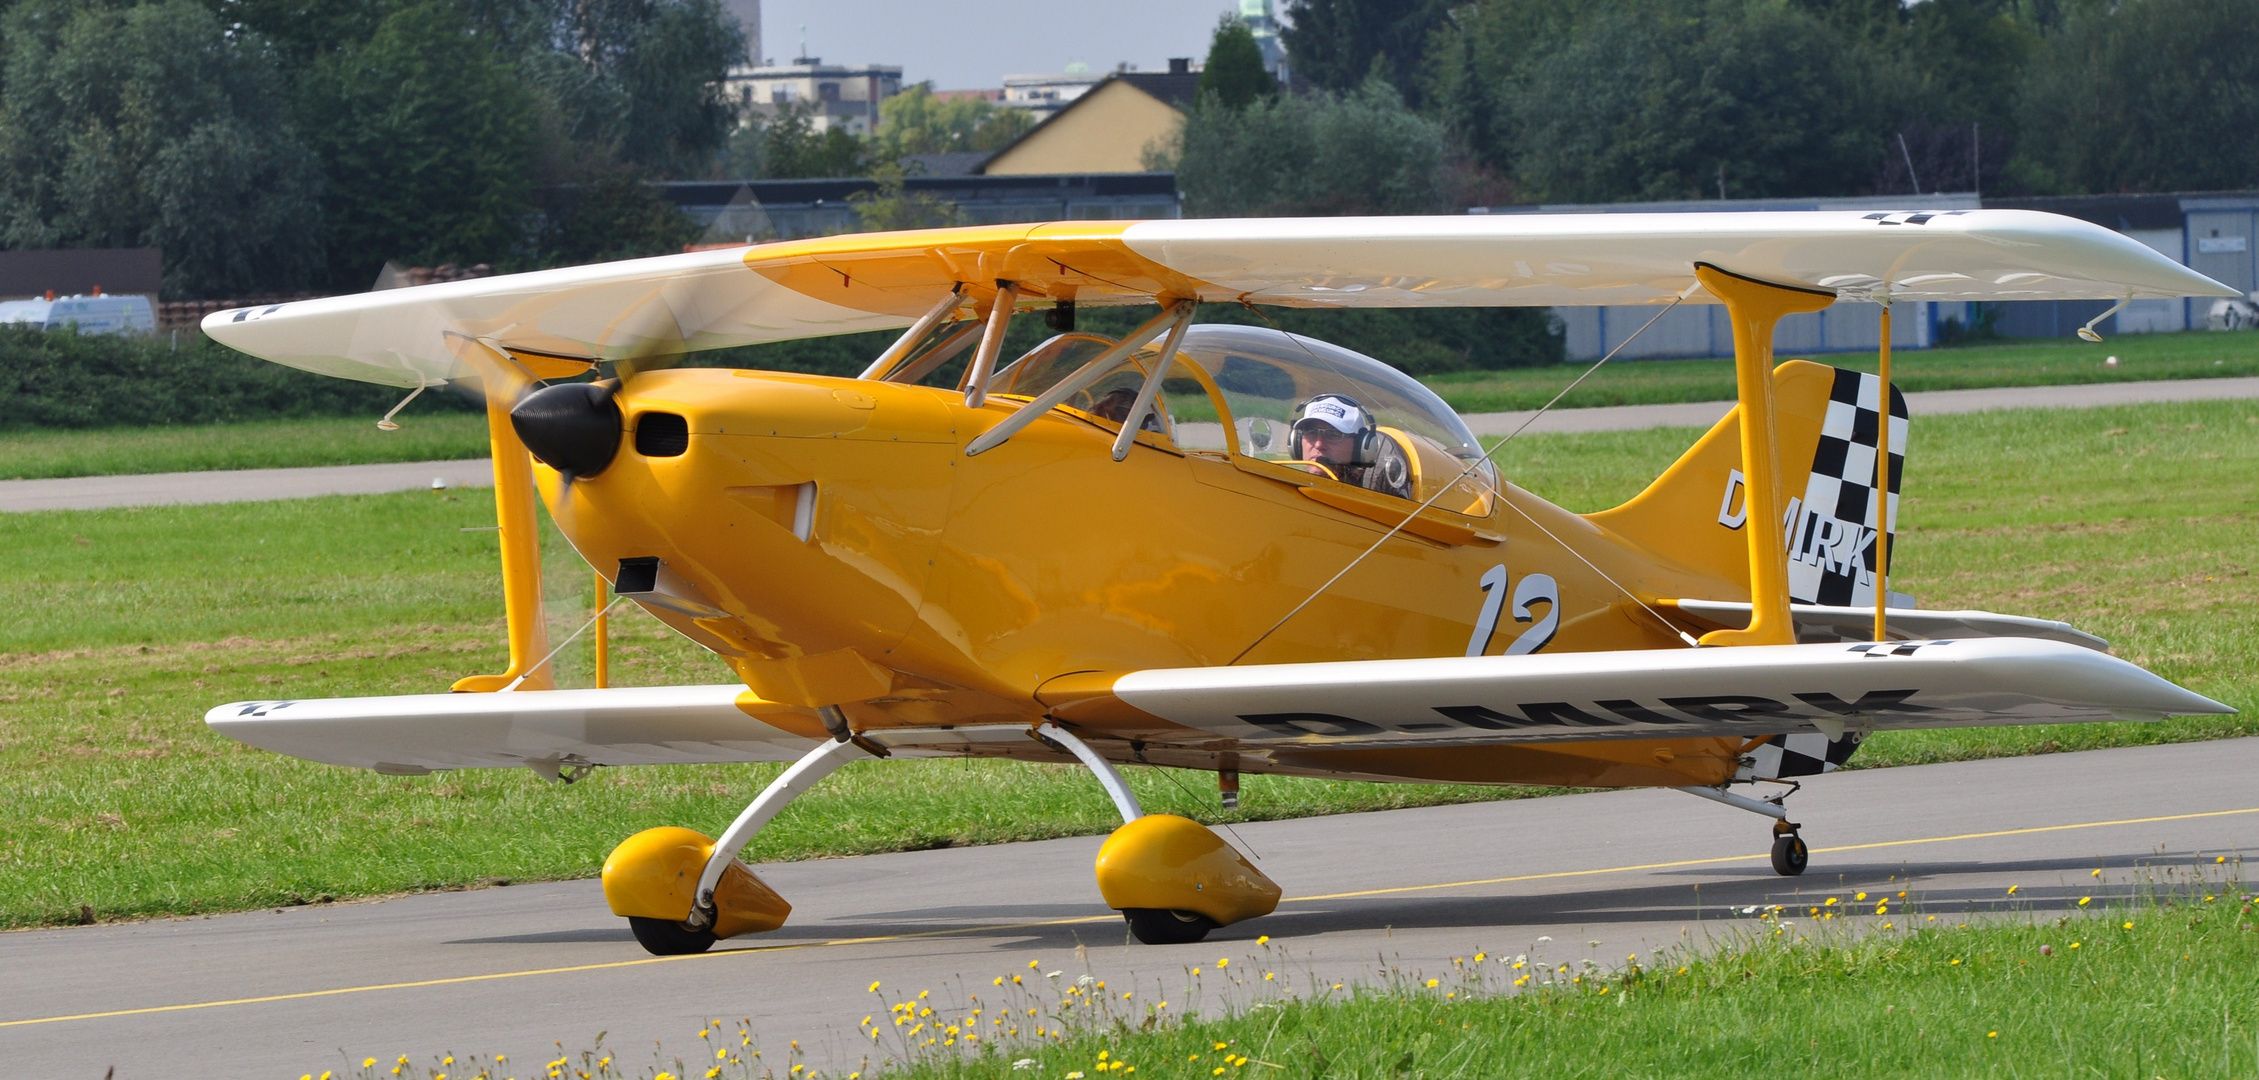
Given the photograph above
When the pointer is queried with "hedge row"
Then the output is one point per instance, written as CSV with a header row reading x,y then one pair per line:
x,y
61,379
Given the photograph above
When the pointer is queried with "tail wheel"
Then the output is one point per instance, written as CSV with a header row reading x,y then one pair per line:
x,y
1789,855
1161,926
666,937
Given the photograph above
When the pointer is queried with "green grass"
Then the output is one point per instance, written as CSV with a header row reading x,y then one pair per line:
x,y
2193,355
125,625
30,453
2163,988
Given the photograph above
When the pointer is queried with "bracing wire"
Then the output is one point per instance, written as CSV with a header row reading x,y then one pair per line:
x,y
569,639
1465,473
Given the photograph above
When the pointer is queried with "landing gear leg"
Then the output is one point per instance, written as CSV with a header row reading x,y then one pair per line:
x,y
1789,853
681,892
1172,878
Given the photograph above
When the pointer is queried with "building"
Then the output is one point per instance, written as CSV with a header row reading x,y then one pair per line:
x,y
748,16
1264,24
1106,129
839,95
2211,232
743,211
1046,94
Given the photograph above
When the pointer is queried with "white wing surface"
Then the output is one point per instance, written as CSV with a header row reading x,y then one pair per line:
x,y
418,733
837,285
1754,690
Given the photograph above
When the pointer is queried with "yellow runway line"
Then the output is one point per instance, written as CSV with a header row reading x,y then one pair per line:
x,y
1748,858
879,939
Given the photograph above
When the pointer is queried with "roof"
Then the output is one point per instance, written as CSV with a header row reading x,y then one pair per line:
x,y
1176,91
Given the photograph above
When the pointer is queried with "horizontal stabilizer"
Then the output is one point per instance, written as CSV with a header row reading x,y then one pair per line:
x,y
544,729
1756,690
1821,622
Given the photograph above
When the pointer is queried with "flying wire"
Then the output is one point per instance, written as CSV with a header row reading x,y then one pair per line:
x,y
569,639
1463,474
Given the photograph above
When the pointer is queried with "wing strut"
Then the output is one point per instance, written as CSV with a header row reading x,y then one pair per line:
x,y
991,343
520,525
1144,403
1755,307
1173,314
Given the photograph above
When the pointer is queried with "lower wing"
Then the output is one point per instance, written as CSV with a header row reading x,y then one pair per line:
x,y
1762,690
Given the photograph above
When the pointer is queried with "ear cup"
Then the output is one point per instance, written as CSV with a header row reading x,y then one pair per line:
x,y
1369,446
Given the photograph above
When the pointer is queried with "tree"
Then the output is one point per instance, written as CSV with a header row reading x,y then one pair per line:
x,y
891,206
1234,75
151,126
428,138
2150,95
608,213
916,121
1337,43
792,148
1321,153
642,80
1664,100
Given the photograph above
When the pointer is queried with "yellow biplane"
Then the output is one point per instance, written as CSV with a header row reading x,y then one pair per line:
x,y
1214,547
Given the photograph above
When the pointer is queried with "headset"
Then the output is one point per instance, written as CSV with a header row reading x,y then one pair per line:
x,y
1368,437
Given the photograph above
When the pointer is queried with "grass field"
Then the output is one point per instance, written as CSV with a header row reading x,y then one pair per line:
x,y
437,436
125,625
265,444
2195,355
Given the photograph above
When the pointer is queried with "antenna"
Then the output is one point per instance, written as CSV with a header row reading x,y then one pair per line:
x,y
1976,159
1910,178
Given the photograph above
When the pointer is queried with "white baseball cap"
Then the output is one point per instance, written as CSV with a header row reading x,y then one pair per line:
x,y
1335,411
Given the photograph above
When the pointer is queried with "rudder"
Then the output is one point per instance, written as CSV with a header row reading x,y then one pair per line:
x,y
1828,419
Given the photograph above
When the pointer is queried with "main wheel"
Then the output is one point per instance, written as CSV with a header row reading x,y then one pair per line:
x,y
1161,926
666,937
1789,855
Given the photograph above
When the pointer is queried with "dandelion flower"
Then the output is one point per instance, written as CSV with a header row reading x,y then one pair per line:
x,y
2011,889
1269,975
1861,896
1432,983
2074,944
1264,940
1956,962
1034,964
1992,1035
369,1063
2097,872
2084,900
2128,926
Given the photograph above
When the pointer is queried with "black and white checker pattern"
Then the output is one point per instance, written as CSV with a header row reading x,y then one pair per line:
x,y
1803,753
1831,557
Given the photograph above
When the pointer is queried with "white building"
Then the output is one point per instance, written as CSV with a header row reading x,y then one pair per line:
x,y
1046,94
842,96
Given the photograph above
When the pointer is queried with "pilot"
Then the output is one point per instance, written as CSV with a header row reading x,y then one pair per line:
x,y
1335,431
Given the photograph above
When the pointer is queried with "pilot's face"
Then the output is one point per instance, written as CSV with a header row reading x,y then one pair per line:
x,y
1325,444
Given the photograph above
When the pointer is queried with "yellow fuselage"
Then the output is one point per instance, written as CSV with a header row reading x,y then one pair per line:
x,y
937,589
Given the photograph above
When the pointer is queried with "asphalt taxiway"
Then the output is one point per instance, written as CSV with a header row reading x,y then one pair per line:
x,y
510,970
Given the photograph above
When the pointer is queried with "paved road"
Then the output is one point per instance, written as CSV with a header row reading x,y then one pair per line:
x,y
511,969
1923,403
239,485
253,485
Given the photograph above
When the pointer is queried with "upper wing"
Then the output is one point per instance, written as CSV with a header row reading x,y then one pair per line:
x,y
878,281
1753,690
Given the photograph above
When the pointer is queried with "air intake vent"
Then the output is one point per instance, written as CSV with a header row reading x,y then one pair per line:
x,y
659,434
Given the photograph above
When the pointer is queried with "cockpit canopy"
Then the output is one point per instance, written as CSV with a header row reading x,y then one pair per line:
x,y
1264,376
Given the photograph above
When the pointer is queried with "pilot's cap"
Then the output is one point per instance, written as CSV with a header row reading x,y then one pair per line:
x,y
1333,410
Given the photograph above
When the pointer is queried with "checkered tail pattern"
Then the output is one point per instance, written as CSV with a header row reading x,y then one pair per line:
x,y
1831,528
